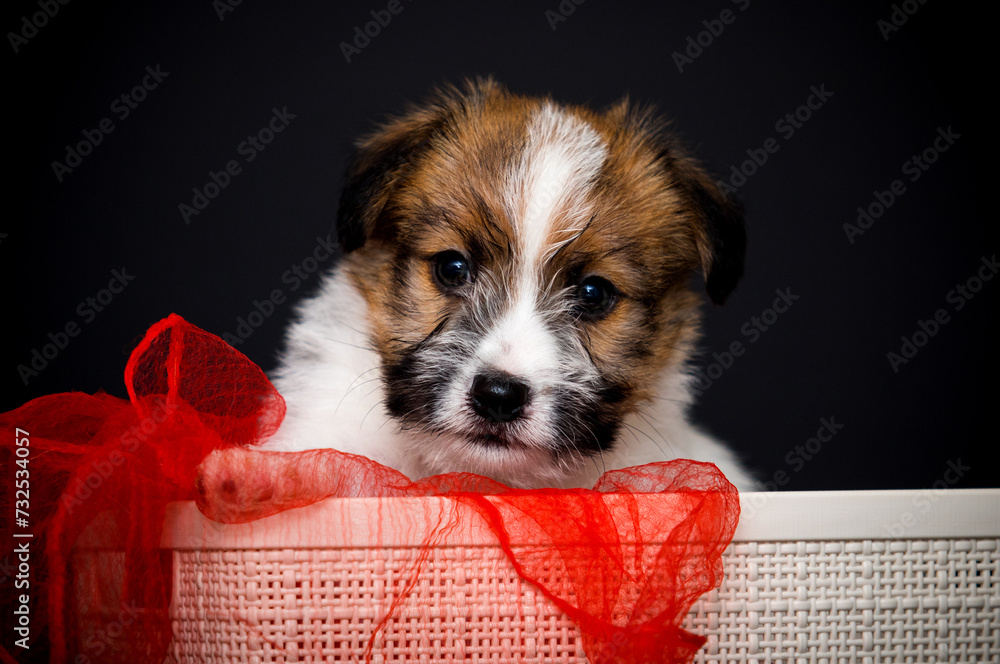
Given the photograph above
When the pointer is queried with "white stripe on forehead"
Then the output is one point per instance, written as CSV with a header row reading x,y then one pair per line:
x,y
561,159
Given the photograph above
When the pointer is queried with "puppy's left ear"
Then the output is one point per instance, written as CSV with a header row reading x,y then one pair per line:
x,y
721,233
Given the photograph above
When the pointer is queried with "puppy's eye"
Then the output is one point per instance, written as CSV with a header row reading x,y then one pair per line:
x,y
595,296
451,269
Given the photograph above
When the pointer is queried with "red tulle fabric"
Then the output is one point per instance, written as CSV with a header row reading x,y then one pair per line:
x,y
102,470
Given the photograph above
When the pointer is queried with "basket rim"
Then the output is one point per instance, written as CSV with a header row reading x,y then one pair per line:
x,y
766,517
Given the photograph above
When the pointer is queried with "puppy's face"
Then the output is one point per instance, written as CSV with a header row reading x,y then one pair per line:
x,y
526,267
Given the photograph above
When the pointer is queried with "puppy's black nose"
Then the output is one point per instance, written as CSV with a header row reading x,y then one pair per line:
x,y
498,397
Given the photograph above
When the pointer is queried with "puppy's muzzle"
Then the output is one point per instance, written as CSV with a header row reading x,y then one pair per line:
x,y
498,397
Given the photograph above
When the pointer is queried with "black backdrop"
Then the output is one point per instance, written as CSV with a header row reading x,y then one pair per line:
x,y
216,73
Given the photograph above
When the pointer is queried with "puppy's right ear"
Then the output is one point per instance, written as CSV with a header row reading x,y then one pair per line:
x,y
379,163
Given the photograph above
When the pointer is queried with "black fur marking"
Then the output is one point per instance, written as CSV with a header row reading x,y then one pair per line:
x,y
588,432
728,237
593,428
407,395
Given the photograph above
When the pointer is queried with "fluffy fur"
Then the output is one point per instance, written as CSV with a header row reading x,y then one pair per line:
x,y
514,297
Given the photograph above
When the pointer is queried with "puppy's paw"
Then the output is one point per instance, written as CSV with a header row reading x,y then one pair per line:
x,y
235,485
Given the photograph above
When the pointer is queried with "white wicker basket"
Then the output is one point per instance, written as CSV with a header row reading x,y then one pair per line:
x,y
825,577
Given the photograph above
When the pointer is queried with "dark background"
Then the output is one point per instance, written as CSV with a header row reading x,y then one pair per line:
x,y
826,357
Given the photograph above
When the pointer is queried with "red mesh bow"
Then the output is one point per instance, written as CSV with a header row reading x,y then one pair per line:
x,y
102,470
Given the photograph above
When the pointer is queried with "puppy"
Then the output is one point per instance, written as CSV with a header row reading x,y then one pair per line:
x,y
513,299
